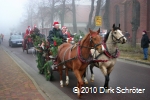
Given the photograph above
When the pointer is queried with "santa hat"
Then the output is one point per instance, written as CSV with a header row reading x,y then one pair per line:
x,y
144,31
64,27
28,26
55,23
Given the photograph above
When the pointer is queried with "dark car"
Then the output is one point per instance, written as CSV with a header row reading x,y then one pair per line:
x,y
15,40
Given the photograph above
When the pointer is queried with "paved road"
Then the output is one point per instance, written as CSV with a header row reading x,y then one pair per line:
x,y
125,75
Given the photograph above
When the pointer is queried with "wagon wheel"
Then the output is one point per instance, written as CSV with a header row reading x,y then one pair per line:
x,y
27,48
23,47
42,71
35,51
51,74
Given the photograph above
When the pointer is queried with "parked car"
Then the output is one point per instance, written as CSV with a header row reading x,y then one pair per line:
x,y
15,40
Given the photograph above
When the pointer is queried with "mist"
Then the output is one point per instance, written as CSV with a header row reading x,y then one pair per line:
x,y
14,14
11,12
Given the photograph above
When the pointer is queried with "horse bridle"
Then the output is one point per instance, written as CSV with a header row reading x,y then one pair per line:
x,y
95,45
90,56
116,40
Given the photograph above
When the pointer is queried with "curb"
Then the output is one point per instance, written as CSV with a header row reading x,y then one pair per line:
x,y
136,61
45,96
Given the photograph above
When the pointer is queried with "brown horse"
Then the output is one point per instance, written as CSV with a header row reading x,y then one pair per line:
x,y
77,57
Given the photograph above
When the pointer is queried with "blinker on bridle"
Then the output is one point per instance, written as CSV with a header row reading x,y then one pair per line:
x,y
95,45
117,40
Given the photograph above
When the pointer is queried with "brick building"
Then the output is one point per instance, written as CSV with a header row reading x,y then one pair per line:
x,y
121,12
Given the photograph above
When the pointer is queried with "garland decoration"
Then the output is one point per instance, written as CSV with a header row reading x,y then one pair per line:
x,y
77,36
40,62
54,46
38,42
48,70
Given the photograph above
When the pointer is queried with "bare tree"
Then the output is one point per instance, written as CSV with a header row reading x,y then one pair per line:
x,y
106,15
55,9
30,8
62,12
135,20
89,25
51,5
98,6
91,22
74,16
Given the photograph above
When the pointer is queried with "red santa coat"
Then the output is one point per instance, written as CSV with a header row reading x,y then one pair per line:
x,y
68,34
28,31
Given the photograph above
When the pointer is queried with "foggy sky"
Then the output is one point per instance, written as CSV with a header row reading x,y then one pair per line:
x,y
12,13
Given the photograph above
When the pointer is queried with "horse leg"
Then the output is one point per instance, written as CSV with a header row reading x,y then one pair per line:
x,y
84,77
106,85
80,81
104,71
60,73
82,74
92,74
106,81
67,77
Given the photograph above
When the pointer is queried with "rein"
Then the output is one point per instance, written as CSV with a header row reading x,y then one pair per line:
x,y
95,60
79,54
81,58
90,58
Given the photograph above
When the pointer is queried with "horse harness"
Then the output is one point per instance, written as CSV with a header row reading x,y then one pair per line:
x,y
79,54
107,53
90,58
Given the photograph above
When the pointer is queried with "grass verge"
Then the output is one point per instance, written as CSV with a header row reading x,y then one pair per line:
x,y
129,52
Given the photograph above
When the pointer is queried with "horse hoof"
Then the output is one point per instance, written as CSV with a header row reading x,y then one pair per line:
x,y
86,82
79,96
106,91
92,80
67,84
61,85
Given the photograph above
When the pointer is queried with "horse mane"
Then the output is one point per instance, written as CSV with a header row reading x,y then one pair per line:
x,y
85,37
106,36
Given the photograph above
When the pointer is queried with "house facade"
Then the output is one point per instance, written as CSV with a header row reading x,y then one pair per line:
x,y
121,12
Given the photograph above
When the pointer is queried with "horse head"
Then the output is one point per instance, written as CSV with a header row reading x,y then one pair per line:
x,y
96,40
117,35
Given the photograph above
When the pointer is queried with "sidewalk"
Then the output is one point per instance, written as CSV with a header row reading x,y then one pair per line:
x,y
14,83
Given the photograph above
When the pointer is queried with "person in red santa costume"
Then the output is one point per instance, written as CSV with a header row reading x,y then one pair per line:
x,y
26,36
28,30
66,33
36,30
